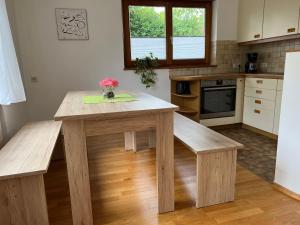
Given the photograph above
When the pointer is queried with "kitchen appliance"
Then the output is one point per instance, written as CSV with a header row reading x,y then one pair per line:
x,y
251,64
218,98
183,88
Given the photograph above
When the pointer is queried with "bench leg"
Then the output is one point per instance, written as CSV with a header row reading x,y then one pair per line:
x,y
130,141
23,201
152,138
216,173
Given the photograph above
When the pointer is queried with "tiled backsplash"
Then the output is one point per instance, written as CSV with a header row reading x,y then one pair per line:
x,y
271,56
226,54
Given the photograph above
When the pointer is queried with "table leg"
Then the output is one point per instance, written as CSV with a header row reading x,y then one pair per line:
x,y
165,162
151,138
78,172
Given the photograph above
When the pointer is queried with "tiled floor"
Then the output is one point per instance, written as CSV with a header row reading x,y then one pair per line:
x,y
259,154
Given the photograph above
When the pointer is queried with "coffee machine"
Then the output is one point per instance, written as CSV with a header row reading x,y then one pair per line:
x,y
251,64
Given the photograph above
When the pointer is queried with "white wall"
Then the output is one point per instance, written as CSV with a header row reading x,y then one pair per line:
x,y
12,118
62,66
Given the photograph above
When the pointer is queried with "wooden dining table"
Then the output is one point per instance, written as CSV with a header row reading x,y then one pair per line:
x,y
81,120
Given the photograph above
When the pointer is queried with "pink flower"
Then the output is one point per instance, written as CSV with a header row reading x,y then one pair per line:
x,y
109,82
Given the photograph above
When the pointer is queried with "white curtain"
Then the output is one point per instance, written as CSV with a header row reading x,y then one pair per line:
x,y
11,86
1,135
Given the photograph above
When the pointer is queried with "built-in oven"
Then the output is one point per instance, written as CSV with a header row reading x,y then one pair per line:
x,y
218,98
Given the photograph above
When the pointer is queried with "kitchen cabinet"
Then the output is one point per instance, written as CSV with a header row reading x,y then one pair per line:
x,y
251,15
280,18
258,115
262,101
260,93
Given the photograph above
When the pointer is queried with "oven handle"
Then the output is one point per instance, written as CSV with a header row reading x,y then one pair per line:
x,y
219,88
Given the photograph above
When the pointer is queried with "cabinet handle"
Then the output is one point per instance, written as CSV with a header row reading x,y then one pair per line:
x,y
259,81
258,102
257,111
291,30
258,91
257,36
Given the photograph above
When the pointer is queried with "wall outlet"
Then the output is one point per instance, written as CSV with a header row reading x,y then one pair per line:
x,y
34,79
264,65
236,67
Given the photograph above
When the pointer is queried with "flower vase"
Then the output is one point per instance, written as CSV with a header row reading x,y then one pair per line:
x,y
109,94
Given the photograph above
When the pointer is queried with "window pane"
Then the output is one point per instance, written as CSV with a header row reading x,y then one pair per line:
x,y
188,33
147,31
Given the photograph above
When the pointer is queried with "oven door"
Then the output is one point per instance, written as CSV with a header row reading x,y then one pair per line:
x,y
217,102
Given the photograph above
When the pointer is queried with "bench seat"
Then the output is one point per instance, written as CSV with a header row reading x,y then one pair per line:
x,y
216,159
23,161
29,151
199,138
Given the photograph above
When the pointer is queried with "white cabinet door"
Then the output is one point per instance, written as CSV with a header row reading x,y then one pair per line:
x,y
259,116
251,14
280,17
277,112
260,93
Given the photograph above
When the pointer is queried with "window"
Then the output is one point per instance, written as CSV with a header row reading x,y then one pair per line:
x,y
178,33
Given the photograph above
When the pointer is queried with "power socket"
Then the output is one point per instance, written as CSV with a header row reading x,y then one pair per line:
x,y
34,79
264,65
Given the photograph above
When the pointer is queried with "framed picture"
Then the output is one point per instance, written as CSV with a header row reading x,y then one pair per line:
x,y
71,24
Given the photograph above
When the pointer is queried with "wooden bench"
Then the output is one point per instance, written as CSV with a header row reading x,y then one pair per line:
x,y
216,159
23,161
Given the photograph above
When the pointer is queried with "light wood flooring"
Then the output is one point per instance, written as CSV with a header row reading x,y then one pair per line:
x,y
124,192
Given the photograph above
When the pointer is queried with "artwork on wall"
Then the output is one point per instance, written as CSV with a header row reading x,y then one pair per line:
x,y
71,24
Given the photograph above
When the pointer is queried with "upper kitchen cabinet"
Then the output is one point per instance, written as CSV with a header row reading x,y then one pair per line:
x,y
251,16
280,18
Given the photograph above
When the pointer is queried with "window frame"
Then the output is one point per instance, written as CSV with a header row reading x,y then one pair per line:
x,y
169,4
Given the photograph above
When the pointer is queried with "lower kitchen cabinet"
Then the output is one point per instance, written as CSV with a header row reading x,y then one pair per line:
x,y
262,104
259,113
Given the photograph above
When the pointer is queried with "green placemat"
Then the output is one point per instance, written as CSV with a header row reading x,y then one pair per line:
x,y
96,99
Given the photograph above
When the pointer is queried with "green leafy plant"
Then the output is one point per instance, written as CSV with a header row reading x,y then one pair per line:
x,y
145,69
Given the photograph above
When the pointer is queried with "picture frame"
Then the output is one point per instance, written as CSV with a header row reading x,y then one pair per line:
x,y
72,24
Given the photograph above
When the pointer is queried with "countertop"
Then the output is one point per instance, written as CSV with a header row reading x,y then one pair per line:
x,y
227,76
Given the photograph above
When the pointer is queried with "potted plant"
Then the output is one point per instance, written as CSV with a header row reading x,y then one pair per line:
x,y
145,69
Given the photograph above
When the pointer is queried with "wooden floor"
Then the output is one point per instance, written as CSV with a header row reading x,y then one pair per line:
x,y
124,192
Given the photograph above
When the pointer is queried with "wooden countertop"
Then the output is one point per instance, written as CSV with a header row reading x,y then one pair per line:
x,y
227,76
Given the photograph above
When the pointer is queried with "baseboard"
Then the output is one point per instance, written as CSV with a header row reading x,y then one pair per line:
x,y
286,191
259,131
